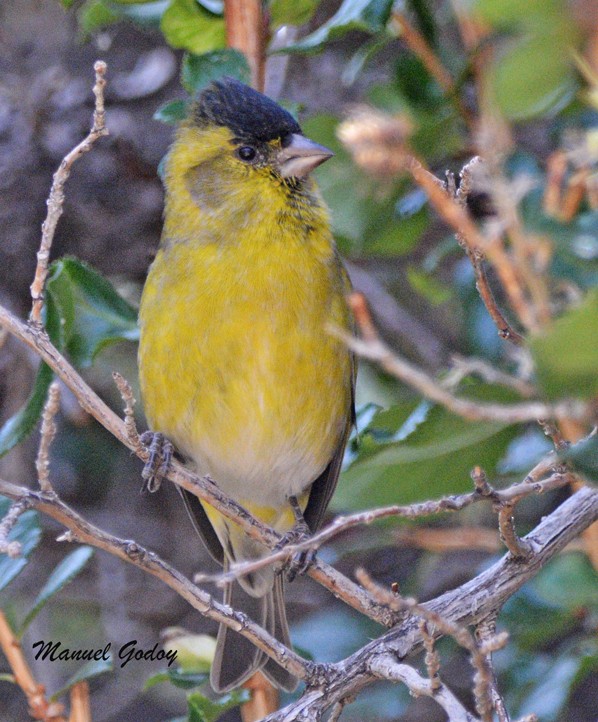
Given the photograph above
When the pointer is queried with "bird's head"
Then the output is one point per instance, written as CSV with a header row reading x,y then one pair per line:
x,y
236,136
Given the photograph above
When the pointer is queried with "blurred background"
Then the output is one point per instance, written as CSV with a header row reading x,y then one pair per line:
x,y
417,280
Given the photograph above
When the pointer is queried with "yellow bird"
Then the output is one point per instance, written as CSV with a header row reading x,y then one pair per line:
x,y
237,365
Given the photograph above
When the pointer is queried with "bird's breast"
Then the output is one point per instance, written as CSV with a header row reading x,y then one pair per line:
x,y
237,363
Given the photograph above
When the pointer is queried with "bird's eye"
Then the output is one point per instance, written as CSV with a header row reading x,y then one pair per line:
x,y
247,153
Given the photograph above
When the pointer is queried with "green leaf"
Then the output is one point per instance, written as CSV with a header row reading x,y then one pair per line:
x,y
172,112
291,12
22,423
178,678
202,709
366,15
427,286
566,355
423,452
535,76
198,71
190,26
95,15
89,670
27,532
584,457
147,13
533,621
68,568
92,313
569,581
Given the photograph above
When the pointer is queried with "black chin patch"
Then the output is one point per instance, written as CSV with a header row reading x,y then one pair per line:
x,y
250,115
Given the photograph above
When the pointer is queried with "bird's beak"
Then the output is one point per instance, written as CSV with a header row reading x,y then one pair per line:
x,y
300,157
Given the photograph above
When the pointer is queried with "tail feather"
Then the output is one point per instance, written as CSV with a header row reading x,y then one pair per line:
x,y
274,672
236,658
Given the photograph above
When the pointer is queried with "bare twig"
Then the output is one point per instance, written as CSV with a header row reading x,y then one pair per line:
x,y
48,431
372,347
127,396
80,704
385,666
431,659
486,635
84,532
56,197
475,255
462,367
39,707
416,42
506,524
11,548
510,495
330,683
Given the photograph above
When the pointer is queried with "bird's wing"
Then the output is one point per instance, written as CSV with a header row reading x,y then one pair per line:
x,y
203,526
323,487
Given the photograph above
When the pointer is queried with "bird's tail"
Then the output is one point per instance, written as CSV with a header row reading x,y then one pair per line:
x,y
236,658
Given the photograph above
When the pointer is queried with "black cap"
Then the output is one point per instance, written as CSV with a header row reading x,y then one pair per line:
x,y
251,116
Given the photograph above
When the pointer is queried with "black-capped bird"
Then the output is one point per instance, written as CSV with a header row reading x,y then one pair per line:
x,y
238,366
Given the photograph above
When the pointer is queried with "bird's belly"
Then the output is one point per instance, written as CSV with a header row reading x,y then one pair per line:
x,y
258,394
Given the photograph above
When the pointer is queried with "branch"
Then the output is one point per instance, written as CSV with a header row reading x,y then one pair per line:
x,y
500,498
82,531
245,31
372,347
39,707
385,666
56,197
469,604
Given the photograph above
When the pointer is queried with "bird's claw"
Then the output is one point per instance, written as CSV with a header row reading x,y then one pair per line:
x,y
160,455
299,563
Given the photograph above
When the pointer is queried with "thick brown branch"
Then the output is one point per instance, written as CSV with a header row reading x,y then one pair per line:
x,y
245,31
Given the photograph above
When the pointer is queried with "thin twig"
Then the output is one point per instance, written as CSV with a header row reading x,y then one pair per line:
x,y
506,524
372,347
386,666
39,707
475,255
126,393
432,658
11,548
56,197
417,43
84,532
47,434
80,703
432,624
462,367
486,635
510,495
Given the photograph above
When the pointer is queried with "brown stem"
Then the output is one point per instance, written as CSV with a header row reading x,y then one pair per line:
x,y
245,31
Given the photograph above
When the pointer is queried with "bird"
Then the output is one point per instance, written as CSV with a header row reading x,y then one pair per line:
x,y
238,366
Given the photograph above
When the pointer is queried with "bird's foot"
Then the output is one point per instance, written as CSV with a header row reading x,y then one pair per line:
x,y
160,456
300,562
